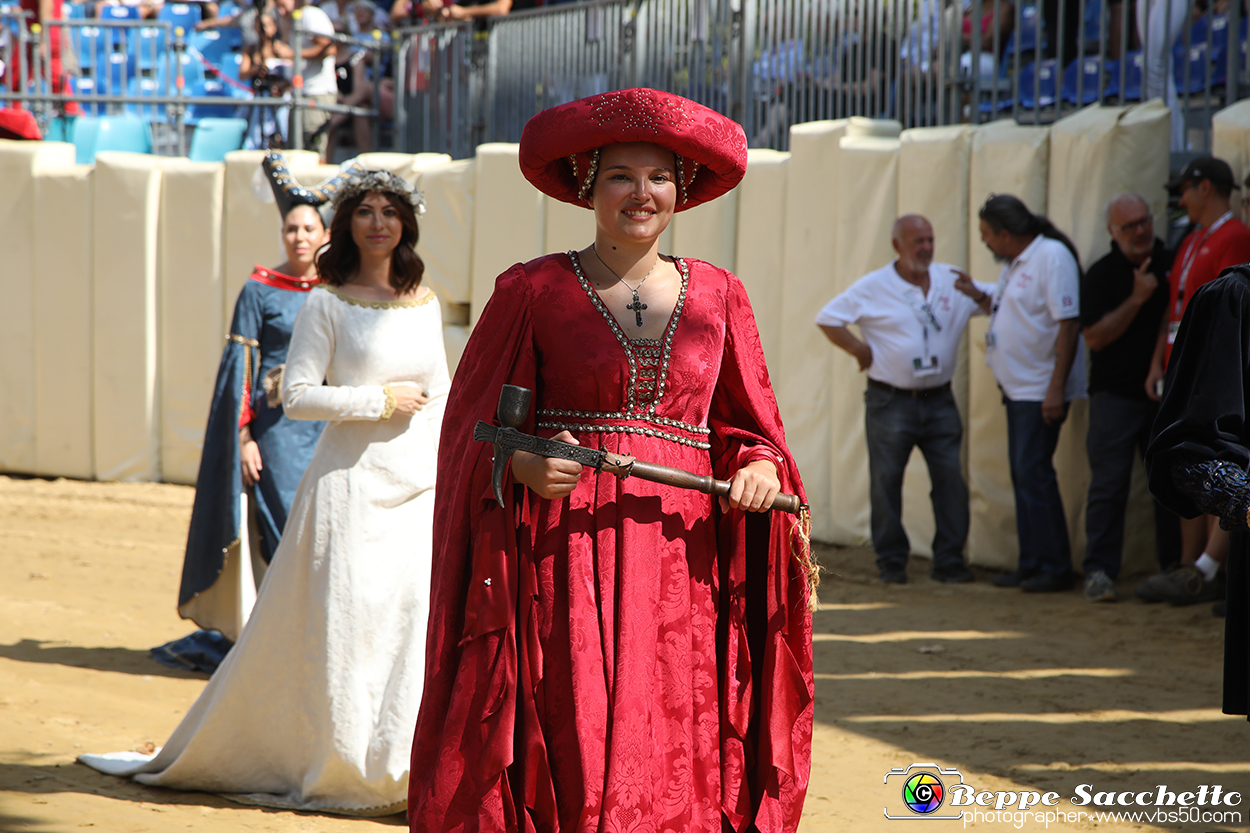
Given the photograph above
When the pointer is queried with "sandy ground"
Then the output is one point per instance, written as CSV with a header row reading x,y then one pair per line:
x,y
1017,693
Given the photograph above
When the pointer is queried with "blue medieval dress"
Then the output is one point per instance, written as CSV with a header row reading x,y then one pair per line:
x,y
221,571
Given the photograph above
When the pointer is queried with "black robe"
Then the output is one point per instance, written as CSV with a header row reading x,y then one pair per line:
x,y
1203,418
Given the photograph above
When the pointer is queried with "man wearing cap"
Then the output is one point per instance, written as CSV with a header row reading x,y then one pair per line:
x,y
1218,241
1123,296
911,319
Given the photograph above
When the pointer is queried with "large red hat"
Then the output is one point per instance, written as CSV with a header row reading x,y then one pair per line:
x,y
560,146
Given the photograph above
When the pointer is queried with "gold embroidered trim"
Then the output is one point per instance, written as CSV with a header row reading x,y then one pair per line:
x,y
389,410
681,179
343,296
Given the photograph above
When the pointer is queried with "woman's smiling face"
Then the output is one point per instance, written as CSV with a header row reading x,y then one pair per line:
x,y
635,191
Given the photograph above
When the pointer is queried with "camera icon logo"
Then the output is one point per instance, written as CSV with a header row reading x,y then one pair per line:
x,y
922,788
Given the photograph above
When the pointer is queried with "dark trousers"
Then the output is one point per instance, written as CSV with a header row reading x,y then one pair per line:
x,y
897,423
1041,527
1119,429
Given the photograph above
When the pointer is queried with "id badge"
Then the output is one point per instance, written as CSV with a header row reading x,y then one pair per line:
x,y
1173,326
921,368
990,340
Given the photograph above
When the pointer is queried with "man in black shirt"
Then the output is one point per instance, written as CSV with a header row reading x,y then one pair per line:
x,y
1123,297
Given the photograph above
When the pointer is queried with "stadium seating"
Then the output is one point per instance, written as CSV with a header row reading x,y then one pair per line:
x,y
92,135
119,13
1132,77
185,15
1090,71
214,138
1036,84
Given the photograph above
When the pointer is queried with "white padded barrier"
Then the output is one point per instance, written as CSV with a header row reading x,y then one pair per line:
x,y
868,169
1095,154
407,165
1230,141
1006,159
567,226
759,256
933,182
192,320
19,162
63,359
446,243
126,203
508,216
802,379
708,232
455,337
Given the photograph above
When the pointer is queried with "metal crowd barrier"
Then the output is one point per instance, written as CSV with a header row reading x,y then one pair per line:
x,y
159,51
773,63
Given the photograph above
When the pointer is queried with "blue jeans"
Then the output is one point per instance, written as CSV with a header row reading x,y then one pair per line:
x,y
1119,429
895,424
1041,527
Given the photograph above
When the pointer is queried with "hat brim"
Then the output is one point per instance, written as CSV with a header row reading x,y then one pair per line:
x,y
553,141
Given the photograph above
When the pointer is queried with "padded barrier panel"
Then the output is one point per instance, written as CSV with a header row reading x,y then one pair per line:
x,y
1230,141
446,243
759,250
1006,159
1095,154
801,381
407,165
126,202
708,231
867,168
192,322
19,162
252,228
455,337
933,181
508,213
63,360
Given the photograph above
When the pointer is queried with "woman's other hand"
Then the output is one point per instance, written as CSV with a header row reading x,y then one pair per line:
x,y
249,460
753,488
409,399
548,477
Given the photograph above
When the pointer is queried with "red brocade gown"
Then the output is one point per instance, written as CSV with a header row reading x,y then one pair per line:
x,y
630,658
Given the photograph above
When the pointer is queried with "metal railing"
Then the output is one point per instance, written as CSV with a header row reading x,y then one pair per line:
x,y
140,67
773,63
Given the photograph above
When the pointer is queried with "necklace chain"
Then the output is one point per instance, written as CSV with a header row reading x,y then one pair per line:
x,y
637,306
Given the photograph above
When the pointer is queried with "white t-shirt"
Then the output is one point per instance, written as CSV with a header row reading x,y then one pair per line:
x,y
906,329
1036,291
318,75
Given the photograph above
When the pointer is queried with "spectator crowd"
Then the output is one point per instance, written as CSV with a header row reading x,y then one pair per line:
x,y
1044,313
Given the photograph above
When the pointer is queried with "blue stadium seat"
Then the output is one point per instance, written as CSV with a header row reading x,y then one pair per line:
x,y
61,129
92,135
227,8
1093,23
1133,77
214,87
1042,74
1090,69
214,138
113,80
118,13
92,45
1194,62
87,86
140,88
147,46
215,44
75,11
1026,39
185,15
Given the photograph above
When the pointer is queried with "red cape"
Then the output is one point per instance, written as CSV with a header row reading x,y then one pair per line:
x,y
471,735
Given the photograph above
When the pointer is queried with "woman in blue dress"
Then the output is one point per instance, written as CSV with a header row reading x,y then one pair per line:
x,y
253,456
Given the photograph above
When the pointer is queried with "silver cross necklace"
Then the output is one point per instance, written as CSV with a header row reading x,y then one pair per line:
x,y
637,306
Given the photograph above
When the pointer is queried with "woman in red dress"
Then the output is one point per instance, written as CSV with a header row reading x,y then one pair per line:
x,y
604,654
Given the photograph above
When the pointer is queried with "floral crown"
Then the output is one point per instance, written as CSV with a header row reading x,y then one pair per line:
x,y
380,181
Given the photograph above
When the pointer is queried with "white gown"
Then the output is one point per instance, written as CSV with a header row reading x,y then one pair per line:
x,y
314,707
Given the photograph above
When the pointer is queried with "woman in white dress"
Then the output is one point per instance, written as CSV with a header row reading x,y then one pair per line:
x,y
314,707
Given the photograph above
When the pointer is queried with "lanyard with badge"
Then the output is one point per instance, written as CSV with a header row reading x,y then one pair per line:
x,y
1186,265
926,364
1004,280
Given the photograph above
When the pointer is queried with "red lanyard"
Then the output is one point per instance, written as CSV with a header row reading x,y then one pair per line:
x,y
1190,257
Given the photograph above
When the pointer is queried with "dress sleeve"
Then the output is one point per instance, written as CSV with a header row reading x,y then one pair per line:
x,y
1202,418
245,334
304,394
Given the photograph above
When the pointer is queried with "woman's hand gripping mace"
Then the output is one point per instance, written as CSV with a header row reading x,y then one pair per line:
x,y
514,406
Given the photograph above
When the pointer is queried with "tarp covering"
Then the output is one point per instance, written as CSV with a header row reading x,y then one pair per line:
x,y
446,243
760,245
507,219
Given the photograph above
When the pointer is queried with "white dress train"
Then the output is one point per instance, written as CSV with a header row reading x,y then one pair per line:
x,y
314,707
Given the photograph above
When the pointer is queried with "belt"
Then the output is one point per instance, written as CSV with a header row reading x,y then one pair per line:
x,y
914,393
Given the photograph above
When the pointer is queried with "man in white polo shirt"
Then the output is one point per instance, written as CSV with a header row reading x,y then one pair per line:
x,y
320,84
911,319
1034,349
